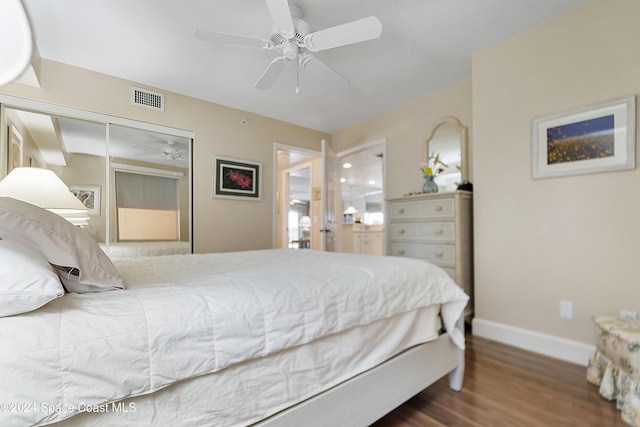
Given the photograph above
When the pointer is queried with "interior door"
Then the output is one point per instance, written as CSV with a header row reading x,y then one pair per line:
x,y
331,199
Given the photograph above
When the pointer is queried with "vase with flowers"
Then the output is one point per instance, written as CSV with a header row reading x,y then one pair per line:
x,y
432,168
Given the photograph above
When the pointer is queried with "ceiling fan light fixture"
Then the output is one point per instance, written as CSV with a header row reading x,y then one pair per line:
x,y
289,49
292,38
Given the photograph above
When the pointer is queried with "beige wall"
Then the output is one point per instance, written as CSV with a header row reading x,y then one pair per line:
x,y
536,241
405,130
219,224
571,238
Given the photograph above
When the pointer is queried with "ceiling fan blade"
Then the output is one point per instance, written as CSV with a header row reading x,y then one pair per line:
x,y
146,147
271,74
323,72
281,15
233,39
341,35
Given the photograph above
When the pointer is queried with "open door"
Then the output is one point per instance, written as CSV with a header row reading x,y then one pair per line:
x,y
331,200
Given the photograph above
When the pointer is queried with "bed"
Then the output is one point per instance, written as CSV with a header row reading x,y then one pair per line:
x,y
125,250
270,338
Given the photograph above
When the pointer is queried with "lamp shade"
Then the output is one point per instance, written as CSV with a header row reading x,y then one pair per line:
x,y
43,188
351,210
305,222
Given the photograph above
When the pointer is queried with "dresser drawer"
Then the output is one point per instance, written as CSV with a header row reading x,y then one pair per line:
x,y
420,209
443,255
423,231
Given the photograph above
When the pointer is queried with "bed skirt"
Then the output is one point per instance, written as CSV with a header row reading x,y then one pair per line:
x,y
248,392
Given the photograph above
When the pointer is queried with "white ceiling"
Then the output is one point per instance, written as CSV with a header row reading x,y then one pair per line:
x,y
57,136
426,45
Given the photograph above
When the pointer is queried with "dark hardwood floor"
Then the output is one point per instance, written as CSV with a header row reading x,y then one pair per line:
x,y
508,387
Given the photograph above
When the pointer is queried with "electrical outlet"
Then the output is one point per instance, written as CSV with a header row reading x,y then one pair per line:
x,y
628,315
566,309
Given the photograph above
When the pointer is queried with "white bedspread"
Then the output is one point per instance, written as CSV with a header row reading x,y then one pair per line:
x,y
184,316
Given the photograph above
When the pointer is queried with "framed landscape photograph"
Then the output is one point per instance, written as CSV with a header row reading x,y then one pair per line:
x,y
234,178
598,138
89,195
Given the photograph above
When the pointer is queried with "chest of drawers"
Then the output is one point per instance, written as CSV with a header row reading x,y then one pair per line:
x,y
436,227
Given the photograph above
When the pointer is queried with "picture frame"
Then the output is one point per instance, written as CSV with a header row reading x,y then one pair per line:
x,y
593,139
89,195
237,178
15,149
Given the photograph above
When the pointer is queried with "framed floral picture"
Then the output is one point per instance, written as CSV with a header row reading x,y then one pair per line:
x,y
598,138
235,178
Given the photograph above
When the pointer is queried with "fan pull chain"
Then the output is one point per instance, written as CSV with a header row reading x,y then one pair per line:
x,y
297,77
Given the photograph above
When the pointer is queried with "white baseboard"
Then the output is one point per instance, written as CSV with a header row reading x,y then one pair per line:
x,y
548,345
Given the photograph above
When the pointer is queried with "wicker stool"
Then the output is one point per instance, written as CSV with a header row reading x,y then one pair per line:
x,y
615,366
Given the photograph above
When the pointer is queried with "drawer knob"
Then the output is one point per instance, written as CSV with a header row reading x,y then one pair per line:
x,y
402,210
439,231
401,252
401,231
439,254
439,208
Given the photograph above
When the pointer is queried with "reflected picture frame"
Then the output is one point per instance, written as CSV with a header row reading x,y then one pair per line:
x,y
16,142
593,139
89,195
237,178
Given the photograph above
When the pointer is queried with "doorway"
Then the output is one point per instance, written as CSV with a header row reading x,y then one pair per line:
x,y
298,218
363,185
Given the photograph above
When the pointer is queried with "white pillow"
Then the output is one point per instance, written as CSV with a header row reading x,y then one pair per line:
x,y
84,266
27,281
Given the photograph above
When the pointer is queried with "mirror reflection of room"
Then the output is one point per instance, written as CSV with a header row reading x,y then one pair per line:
x,y
144,167
446,143
362,201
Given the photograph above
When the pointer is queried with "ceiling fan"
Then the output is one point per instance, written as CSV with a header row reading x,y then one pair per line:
x,y
293,39
169,152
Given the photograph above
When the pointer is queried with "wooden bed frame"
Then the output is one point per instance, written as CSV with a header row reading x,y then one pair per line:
x,y
367,397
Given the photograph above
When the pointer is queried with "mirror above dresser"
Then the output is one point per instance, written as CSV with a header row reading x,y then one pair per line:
x,y
448,138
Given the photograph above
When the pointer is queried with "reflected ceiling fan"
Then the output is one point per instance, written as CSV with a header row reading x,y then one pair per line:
x,y
169,151
293,40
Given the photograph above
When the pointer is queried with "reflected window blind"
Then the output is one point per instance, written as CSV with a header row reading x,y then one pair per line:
x,y
139,191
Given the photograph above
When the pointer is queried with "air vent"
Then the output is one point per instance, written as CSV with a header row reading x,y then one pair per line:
x,y
147,99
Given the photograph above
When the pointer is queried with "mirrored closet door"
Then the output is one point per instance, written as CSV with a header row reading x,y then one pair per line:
x,y
134,178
